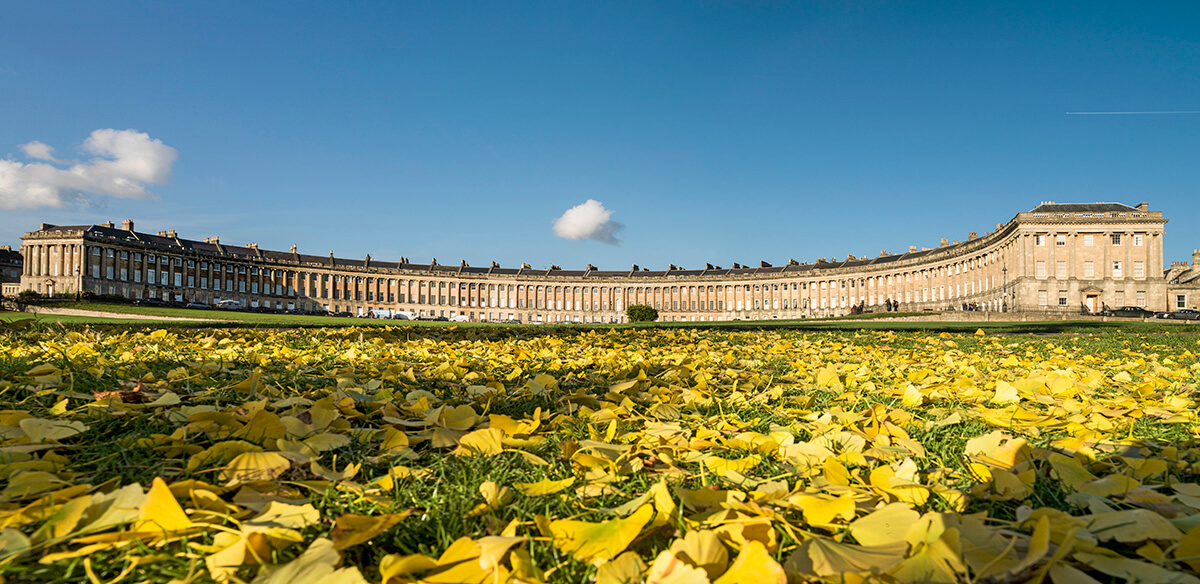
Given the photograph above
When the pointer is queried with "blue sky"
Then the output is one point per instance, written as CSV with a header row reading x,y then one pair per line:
x,y
711,131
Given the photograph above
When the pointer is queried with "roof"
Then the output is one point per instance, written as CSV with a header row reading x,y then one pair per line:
x,y
1082,208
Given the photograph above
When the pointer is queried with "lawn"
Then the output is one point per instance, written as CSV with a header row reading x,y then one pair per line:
x,y
505,454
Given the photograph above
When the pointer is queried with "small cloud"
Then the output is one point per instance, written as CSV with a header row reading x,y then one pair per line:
x,y
39,151
588,220
123,163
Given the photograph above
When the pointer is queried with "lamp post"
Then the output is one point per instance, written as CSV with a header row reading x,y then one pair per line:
x,y
1004,290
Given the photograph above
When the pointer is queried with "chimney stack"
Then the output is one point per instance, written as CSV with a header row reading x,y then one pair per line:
x,y
972,236
108,224
171,233
252,245
127,225
162,233
292,249
1143,206
944,242
1196,260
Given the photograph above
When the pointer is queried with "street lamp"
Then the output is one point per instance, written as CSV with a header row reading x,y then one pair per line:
x,y
1004,290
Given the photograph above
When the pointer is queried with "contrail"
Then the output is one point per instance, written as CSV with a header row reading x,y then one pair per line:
x,y
1131,113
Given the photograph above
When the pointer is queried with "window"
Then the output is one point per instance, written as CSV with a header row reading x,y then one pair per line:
x,y
1042,298
1180,301
1088,240
1041,269
1139,270
1120,298
1116,239
1141,298
1137,242
1039,240
1116,270
1062,297
1060,269
1060,240
1089,269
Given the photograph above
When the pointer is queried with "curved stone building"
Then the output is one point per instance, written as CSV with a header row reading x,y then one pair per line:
x,y
1056,257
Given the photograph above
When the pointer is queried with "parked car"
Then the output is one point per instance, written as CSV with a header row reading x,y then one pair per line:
x,y
150,302
229,304
1128,312
1182,314
197,305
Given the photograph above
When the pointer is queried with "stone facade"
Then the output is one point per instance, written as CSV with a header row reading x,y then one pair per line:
x,y
10,271
1072,258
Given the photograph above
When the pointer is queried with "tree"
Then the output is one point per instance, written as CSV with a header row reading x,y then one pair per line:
x,y
641,313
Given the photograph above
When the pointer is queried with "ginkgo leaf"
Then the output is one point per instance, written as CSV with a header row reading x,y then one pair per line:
x,y
254,466
351,529
822,558
670,569
484,442
884,526
627,568
754,565
161,512
702,549
590,542
39,430
544,487
394,566
1131,525
317,565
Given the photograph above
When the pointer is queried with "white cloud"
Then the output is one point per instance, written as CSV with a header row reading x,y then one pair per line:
x,y
123,163
588,220
39,150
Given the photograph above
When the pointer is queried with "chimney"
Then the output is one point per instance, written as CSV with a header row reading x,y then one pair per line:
x,y
5,248
972,236
1196,260
108,224
1143,206
912,248
127,225
214,240
251,245
162,233
999,226
292,249
171,233
944,242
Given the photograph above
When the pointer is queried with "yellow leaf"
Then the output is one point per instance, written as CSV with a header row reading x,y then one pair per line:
x,y
884,526
351,529
484,442
493,548
544,487
393,565
822,558
1131,525
702,549
669,569
1070,471
254,466
753,566
626,569
823,509
1134,570
39,430
590,542
317,565
161,512
1006,394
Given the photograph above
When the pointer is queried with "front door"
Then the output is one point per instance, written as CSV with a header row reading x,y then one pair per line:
x,y
1090,302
